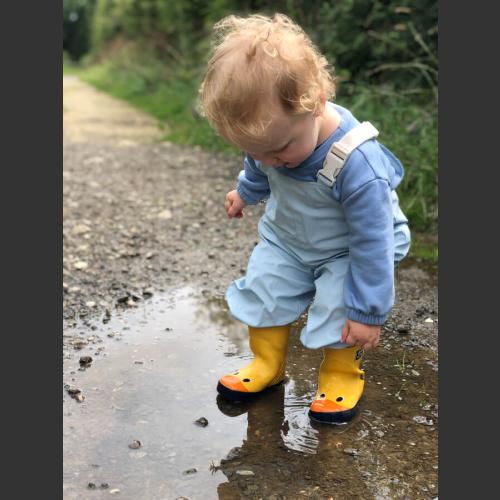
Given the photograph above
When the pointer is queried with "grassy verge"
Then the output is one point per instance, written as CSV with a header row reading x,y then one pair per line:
x,y
424,246
408,124
70,69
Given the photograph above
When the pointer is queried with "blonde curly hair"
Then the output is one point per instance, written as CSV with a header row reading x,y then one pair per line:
x,y
256,61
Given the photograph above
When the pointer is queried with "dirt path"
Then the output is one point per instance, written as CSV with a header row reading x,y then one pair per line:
x,y
92,116
143,218
138,213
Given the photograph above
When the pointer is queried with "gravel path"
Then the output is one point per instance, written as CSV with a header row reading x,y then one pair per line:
x,y
138,213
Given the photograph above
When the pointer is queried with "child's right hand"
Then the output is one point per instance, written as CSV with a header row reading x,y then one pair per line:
x,y
234,205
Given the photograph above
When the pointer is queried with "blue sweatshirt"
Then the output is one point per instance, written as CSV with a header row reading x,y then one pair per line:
x,y
364,188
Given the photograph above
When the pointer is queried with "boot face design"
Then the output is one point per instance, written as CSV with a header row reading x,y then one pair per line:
x,y
254,377
340,386
269,346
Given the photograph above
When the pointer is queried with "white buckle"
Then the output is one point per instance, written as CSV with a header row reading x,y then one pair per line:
x,y
331,167
341,150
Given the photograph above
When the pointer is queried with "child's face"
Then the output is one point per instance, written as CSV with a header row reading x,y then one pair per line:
x,y
288,142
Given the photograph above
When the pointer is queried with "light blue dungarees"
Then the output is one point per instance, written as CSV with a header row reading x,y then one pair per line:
x,y
302,256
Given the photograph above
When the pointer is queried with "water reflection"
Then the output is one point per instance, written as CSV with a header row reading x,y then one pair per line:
x,y
154,379
281,444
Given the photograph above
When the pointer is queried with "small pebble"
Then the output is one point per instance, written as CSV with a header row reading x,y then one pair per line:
x,y
91,486
165,214
114,491
79,344
80,229
85,360
190,471
351,451
245,473
135,444
423,420
202,422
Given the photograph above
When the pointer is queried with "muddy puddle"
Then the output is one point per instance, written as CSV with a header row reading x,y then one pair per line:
x,y
153,373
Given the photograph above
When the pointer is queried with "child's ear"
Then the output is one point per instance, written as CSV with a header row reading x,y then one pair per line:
x,y
322,104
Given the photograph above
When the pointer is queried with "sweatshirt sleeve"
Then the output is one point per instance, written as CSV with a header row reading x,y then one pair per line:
x,y
253,184
369,283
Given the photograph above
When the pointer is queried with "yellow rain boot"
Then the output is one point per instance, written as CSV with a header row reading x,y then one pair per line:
x,y
269,347
340,386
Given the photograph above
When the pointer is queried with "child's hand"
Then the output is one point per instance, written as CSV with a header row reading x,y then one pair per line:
x,y
366,336
234,204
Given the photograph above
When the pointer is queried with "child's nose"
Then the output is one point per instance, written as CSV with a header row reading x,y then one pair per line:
x,y
269,160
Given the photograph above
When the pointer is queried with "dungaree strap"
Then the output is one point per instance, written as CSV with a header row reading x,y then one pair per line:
x,y
339,151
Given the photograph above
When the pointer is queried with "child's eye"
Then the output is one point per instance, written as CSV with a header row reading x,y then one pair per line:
x,y
284,147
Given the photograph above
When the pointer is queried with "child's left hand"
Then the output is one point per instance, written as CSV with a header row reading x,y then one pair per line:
x,y
365,336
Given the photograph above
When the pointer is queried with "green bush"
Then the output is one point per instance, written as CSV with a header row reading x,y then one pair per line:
x,y
77,17
375,40
380,41
408,126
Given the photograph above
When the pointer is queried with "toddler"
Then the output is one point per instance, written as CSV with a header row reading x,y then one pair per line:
x,y
332,230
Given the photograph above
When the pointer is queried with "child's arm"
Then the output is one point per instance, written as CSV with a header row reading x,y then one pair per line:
x,y
253,184
369,283
365,194
365,336
234,204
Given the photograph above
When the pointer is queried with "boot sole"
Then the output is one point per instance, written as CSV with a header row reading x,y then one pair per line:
x,y
241,397
334,418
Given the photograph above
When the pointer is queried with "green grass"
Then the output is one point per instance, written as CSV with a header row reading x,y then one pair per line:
x,y
424,246
407,124
70,67
408,127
